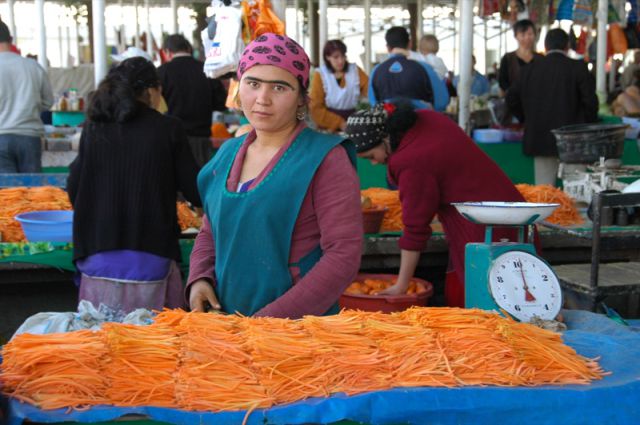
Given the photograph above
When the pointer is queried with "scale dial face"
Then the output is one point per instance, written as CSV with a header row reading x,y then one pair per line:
x,y
525,286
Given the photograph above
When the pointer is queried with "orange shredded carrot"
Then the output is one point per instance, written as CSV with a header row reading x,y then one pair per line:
x,y
565,215
187,218
200,361
374,286
392,221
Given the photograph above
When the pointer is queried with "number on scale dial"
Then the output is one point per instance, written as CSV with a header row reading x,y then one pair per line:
x,y
525,286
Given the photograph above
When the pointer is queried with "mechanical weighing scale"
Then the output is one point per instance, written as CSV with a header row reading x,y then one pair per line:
x,y
509,275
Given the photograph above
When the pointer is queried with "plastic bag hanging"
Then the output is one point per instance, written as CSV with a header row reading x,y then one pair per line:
x,y
224,50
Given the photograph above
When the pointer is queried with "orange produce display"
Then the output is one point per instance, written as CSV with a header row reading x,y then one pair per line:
x,y
219,131
565,215
374,286
17,200
187,218
213,362
386,198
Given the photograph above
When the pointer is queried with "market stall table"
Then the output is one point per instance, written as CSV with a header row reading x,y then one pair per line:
x,y
614,399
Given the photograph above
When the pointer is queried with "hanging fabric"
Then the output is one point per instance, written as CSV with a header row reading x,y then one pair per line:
x,y
617,39
582,13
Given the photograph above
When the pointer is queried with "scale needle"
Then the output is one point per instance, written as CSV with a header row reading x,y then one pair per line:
x,y
528,296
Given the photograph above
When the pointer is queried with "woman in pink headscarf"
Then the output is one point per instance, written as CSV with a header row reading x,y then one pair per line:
x,y
282,236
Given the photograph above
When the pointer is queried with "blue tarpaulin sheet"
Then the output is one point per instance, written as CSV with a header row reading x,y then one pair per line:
x,y
612,400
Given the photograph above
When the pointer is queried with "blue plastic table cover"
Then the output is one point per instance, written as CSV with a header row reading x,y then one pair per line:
x,y
612,400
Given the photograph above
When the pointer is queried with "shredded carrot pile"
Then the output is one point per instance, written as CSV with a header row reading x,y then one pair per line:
x,y
187,218
17,200
216,371
387,198
565,215
373,286
141,365
284,358
56,370
201,361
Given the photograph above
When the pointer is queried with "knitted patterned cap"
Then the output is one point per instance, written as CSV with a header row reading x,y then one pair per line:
x,y
368,128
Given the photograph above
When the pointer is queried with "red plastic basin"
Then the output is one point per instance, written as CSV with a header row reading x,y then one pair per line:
x,y
385,303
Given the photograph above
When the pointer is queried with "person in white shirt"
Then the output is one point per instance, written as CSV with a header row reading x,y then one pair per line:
x,y
429,47
25,92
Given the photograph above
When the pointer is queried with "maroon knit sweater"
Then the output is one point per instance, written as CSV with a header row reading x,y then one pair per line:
x,y
437,164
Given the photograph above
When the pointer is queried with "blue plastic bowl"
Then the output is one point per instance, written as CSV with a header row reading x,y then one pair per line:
x,y
47,226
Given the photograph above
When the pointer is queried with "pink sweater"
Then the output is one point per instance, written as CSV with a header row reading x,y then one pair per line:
x,y
330,215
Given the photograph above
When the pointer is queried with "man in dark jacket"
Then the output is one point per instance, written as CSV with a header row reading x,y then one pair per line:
x,y
552,92
190,95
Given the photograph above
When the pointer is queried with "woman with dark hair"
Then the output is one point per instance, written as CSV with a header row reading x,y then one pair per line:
x,y
123,185
282,235
433,163
336,88
511,63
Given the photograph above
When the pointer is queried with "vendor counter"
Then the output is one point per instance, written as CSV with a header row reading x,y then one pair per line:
x,y
615,399
380,251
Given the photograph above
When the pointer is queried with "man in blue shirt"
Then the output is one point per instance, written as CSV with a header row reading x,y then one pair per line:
x,y
479,85
401,77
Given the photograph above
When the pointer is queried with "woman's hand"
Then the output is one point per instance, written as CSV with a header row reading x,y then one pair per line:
x,y
201,293
400,288
408,263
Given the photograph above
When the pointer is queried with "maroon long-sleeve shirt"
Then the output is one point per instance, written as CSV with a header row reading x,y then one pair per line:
x,y
436,164
330,215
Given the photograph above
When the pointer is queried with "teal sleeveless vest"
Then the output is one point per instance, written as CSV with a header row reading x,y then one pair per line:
x,y
252,231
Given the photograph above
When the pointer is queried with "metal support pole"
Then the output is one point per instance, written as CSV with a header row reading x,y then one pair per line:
x,y
280,9
466,65
12,22
42,35
99,41
500,40
601,56
311,11
60,45
123,36
456,36
486,35
68,63
137,39
419,22
324,23
367,37
296,7
148,28
613,69
174,17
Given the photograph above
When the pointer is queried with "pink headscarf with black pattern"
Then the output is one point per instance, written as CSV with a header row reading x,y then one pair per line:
x,y
280,51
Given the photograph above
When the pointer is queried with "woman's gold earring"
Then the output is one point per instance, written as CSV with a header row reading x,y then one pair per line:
x,y
301,114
